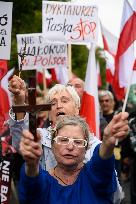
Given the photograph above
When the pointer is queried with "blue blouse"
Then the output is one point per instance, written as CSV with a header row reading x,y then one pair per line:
x,y
95,184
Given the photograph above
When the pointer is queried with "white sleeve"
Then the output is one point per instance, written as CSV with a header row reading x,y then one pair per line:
x,y
16,128
93,142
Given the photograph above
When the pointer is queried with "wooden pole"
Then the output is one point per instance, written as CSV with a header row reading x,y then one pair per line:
x,y
69,61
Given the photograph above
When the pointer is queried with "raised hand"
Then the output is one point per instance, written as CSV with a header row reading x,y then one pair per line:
x,y
31,151
18,88
117,129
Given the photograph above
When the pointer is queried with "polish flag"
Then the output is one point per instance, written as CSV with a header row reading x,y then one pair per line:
x,y
90,105
5,95
50,76
3,105
57,75
4,84
4,102
110,43
110,67
3,68
125,57
62,74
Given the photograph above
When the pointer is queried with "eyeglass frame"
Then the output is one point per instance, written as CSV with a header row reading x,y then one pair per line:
x,y
70,140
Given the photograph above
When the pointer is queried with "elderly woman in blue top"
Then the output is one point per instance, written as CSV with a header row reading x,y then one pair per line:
x,y
71,181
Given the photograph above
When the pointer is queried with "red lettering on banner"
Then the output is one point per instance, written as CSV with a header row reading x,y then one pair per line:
x,y
84,28
44,61
37,59
49,61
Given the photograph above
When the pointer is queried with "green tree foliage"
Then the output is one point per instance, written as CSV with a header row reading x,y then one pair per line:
x,y
80,55
79,60
102,64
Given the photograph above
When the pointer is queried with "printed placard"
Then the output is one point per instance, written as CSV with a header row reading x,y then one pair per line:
x,y
5,29
70,22
41,53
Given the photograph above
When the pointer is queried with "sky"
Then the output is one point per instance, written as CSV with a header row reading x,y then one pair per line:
x,y
109,12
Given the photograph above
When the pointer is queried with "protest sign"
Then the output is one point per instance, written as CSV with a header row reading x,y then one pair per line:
x,y
70,22
41,53
5,29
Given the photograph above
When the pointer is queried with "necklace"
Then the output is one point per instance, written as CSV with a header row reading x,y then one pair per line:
x,y
61,178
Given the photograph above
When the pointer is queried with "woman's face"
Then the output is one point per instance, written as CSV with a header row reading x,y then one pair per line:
x,y
69,154
62,104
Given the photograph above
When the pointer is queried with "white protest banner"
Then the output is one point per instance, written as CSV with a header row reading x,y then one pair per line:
x,y
5,29
72,23
41,53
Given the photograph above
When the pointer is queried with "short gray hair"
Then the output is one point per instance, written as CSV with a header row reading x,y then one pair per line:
x,y
71,120
60,87
105,93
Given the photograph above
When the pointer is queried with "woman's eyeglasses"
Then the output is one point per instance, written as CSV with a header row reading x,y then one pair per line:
x,y
62,140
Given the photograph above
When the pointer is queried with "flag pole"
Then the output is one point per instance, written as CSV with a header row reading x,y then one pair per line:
x,y
126,98
69,61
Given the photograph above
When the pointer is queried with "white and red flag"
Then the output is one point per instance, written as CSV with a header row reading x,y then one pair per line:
x,y
3,68
3,71
125,57
4,104
90,105
57,75
62,74
5,96
48,74
110,43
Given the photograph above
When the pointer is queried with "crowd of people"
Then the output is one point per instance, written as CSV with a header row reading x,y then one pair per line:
x,y
66,155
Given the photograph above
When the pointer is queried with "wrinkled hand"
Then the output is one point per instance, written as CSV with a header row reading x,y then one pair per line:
x,y
117,129
31,150
18,88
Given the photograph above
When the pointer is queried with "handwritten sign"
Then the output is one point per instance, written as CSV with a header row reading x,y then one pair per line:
x,y
5,29
70,22
41,53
